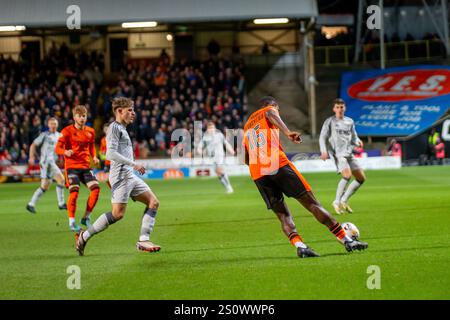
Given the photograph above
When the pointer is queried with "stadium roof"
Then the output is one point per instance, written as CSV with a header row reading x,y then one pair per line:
x,y
103,12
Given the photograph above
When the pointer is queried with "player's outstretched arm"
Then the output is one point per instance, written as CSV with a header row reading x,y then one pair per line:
x,y
32,156
274,117
324,135
112,154
36,143
228,147
355,139
60,148
112,151
92,150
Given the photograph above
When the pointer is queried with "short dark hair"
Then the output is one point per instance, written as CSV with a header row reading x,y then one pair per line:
x,y
338,101
268,101
121,102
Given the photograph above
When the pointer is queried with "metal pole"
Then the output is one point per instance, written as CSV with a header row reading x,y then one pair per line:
x,y
358,30
445,22
382,58
312,85
305,57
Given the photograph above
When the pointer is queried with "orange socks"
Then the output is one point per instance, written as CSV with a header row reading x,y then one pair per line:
x,y
294,238
337,230
72,202
93,197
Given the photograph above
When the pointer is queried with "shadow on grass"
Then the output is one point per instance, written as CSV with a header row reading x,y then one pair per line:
x,y
273,218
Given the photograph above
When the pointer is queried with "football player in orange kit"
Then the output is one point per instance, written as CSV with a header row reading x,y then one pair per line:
x,y
275,175
77,146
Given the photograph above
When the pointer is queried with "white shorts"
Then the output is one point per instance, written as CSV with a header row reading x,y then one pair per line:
x,y
346,163
49,170
129,186
219,162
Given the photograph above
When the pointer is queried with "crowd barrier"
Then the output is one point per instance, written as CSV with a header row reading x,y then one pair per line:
x,y
200,167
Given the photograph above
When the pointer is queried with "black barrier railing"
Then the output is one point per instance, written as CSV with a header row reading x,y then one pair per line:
x,y
405,51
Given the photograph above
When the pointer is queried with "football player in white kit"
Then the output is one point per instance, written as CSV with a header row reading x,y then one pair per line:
x,y
124,183
46,141
338,137
213,143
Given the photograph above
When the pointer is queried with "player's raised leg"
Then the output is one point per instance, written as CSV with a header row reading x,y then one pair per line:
x,y
148,221
94,192
321,214
360,177
346,175
74,188
223,178
101,224
59,177
288,226
45,183
273,197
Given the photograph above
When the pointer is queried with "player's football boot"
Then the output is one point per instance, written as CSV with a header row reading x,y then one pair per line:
x,y
86,222
230,190
337,207
74,227
306,252
62,207
147,246
355,245
80,244
346,207
31,209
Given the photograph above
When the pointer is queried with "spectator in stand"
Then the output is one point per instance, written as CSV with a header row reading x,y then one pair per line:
x,y
439,150
394,149
169,97
31,93
213,48
432,142
5,157
15,152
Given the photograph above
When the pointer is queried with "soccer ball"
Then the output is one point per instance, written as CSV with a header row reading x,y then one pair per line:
x,y
351,230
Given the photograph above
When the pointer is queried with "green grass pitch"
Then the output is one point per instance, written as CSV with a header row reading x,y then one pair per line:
x,y
218,246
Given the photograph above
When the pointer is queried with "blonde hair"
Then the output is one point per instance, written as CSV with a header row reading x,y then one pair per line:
x,y
80,109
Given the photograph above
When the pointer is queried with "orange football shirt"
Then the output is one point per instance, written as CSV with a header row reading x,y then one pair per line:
x,y
262,142
82,142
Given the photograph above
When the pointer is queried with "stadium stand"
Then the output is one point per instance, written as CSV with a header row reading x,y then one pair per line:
x,y
173,96
167,96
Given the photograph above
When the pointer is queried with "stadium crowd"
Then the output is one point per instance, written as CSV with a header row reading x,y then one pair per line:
x,y
173,96
31,93
167,96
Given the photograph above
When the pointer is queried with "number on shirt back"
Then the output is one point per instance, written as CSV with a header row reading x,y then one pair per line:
x,y
256,138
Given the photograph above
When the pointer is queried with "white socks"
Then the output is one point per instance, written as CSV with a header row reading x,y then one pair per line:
x,y
36,196
352,188
99,225
340,189
60,194
148,222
